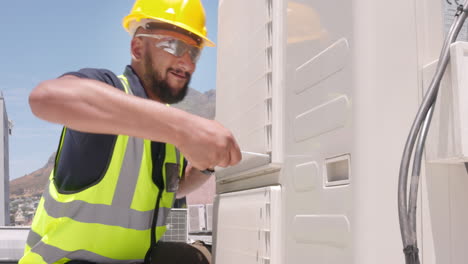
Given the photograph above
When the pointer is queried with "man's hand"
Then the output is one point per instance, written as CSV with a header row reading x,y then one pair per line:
x,y
192,180
207,144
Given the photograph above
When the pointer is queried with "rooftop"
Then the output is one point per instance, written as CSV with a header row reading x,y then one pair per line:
x,y
12,241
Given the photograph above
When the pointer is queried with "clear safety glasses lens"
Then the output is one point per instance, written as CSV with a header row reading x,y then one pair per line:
x,y
175,46
178,48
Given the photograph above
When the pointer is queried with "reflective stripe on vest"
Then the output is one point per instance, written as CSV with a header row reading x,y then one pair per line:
x,y
46,250
109,222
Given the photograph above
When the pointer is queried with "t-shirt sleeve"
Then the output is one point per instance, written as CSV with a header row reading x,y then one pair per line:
x,y
101,75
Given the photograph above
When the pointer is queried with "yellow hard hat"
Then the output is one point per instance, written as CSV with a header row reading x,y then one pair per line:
x,y
186,14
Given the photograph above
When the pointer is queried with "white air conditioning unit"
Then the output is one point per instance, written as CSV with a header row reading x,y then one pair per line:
x,y
12,242
177,230
197,221
209,217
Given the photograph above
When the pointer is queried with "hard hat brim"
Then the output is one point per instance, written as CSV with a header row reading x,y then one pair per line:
x,y
126,24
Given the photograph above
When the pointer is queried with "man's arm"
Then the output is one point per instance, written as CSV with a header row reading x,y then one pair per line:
x,y
96,107
193,179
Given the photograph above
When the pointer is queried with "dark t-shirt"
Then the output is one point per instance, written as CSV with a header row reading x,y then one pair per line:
x,y
85,157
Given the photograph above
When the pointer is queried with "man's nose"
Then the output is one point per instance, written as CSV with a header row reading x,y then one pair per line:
x,y
185,61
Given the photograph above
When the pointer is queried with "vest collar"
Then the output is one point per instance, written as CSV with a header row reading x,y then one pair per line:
x,y
135,83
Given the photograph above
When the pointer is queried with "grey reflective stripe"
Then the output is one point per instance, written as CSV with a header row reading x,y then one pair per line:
x,y
126,185
177,152
103,214
51,254
164,213
33,238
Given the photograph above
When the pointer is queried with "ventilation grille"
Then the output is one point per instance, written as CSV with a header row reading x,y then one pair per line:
x,y
245,76
176,226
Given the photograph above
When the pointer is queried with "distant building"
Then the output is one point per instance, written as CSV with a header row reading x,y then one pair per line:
x,y
5,131
19,218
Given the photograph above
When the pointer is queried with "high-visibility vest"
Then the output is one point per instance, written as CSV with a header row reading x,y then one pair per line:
x,y
110,221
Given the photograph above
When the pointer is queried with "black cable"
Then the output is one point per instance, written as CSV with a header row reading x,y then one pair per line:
x,y
153,229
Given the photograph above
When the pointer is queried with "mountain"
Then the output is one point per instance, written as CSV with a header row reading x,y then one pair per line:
x,y
202,104
32,184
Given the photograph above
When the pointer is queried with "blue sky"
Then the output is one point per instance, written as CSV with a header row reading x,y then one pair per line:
x,y
43,39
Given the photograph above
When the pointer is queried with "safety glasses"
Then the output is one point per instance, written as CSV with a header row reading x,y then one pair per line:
x,y
175,46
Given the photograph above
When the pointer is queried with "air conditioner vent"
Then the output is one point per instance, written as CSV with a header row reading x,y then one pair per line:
x,y
176,226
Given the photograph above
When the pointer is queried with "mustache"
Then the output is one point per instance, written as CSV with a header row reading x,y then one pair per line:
x,y
180,71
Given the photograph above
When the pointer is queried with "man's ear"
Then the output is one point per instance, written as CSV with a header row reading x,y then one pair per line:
x,y
136,49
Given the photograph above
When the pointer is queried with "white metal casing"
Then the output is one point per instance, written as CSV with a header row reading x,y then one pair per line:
x,y
252,234
209,217
347,77
448,137
444,196
12,242
196,219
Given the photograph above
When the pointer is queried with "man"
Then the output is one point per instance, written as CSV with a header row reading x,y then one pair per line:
x,y
113,181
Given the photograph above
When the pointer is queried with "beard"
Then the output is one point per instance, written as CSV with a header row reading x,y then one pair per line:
x,y
159,85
